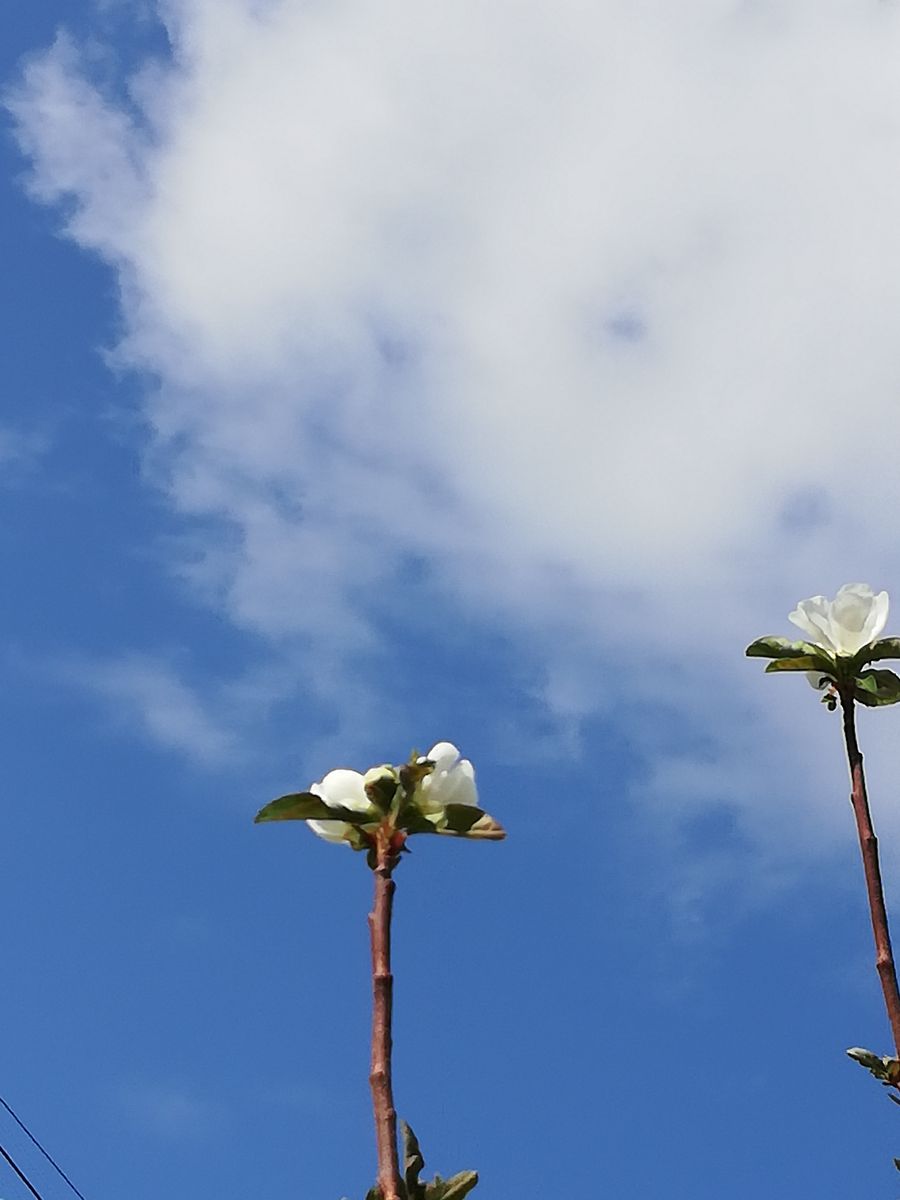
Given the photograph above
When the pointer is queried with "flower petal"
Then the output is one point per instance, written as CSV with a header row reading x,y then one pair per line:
x,y
877,619
331,831
451,782
813,616
850,613
443,755
343,788
459,786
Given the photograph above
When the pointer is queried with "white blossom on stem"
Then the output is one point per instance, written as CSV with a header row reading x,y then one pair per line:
x,y
844,625
341,788
451,782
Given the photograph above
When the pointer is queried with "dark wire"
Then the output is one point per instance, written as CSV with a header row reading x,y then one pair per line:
x,y
21,1175
55,1165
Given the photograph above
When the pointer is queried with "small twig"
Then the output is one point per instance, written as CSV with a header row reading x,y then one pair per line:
x,y
380,1079
868,844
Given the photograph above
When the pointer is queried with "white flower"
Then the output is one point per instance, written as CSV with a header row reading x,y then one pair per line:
x,y
451,782
341,789
853,619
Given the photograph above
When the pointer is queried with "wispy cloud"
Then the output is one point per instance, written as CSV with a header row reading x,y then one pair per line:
x,y
172,1112
20,450
148,697
589,310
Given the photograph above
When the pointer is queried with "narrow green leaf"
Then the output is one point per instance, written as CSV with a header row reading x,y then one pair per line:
x,y
779,647
875,688
465,820
806,662
304,806
413,1162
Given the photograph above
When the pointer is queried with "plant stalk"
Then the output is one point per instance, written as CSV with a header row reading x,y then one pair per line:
x,y
868,844
380,1077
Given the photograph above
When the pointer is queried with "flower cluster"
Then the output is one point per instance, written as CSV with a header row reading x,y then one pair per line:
x,y
431,793
844,638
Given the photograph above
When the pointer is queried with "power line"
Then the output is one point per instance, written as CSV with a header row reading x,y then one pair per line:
x,y
53,1163
21,1174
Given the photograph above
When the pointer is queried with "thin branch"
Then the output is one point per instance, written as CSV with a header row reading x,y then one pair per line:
x,y
380,1079
868,844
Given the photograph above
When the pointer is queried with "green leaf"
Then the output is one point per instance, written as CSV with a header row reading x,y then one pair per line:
x,y
451,1189
374,1193
896,1160
866,1058
413,820
885,648
465,820
413,1162
887,1069
806,662
304,806
438,1189
381,785
453,820
779,647
874,688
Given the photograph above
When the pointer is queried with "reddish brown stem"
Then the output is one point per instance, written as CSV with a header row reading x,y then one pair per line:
x,y
380,1079
868,844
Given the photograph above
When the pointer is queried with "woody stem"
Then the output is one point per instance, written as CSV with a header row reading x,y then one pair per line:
x,y
868,844
380,1079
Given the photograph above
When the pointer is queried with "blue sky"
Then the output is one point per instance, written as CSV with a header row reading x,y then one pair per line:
x,y
380,374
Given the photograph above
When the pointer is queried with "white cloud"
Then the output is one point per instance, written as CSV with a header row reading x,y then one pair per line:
x,y
591,306
147,696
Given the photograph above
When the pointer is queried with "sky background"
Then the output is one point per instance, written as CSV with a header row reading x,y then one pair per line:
x,y
382,373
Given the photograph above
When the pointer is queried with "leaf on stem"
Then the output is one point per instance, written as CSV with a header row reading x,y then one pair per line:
x,y
886,1069
454,1188
381,787
305,806
413,820
453,820
806,662
779,647
451,1189
465,820
875,651
413,1162
874,688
